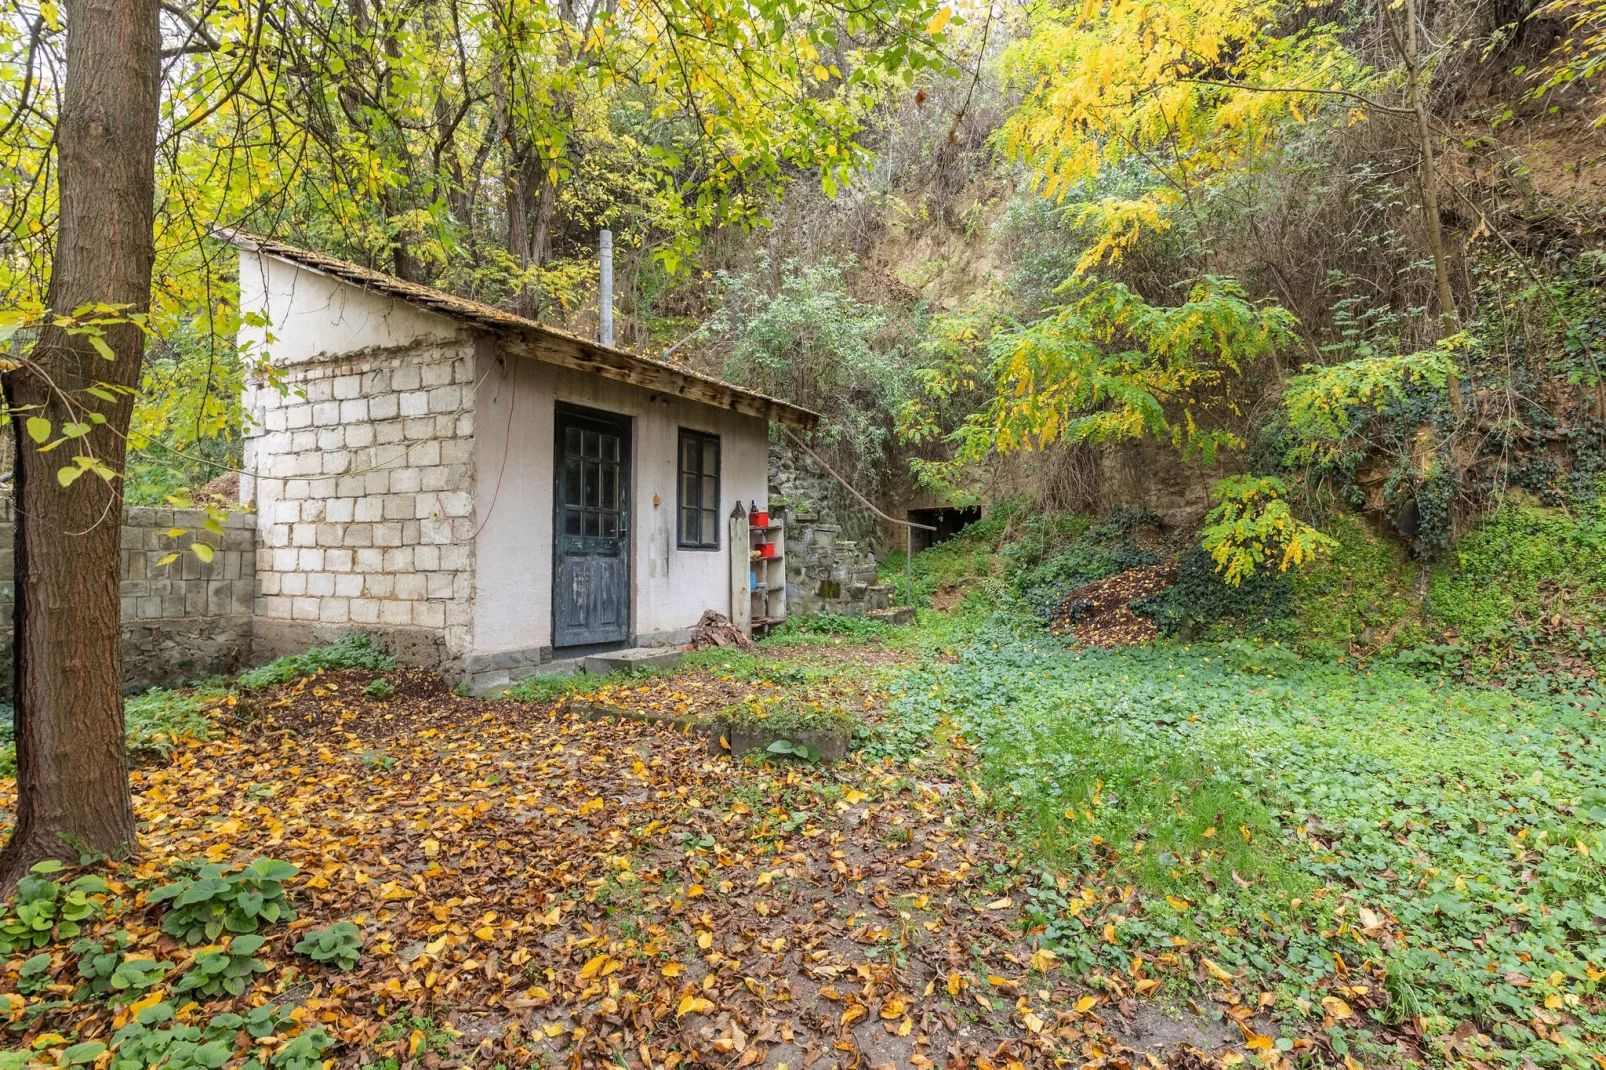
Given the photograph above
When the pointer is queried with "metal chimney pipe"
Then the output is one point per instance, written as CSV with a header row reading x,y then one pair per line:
x,y
605,290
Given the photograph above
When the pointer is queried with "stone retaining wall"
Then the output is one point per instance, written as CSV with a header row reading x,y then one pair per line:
x,y
826,573
180,621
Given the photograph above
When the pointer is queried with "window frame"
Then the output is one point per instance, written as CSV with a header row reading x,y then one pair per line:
x,y
702,438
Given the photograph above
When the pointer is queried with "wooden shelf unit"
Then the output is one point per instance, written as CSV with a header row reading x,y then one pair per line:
x,y
768,586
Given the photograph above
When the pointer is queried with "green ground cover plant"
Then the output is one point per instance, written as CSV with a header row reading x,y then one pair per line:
x,y
155,721
350,651
1299,826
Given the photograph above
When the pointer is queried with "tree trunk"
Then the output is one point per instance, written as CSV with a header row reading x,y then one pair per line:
x,y
1448,321
72,774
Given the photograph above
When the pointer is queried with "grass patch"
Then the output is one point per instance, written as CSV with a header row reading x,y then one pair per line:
x,y
155,721
1257,799
350,651
1359,593
815,628
792,713
1017,555
551,687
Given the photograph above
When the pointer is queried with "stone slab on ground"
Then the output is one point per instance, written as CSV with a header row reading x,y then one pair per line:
x,y
637,657
756,736
897,615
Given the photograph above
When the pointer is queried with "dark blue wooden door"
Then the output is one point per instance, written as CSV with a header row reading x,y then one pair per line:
x,y
591,544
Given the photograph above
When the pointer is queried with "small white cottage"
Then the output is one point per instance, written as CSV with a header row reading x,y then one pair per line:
x,y
481,492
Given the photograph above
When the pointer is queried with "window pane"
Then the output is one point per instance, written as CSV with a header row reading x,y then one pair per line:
x,y
688,489
610,525
593,446
571,441
610,447
709,536
571,521
593,524
610,487
711,457
688,453
710,493
571,483
688,525
591,485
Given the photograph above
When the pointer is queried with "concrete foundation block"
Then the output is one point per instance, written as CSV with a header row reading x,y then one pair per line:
x,y
641,657
896,615
757,736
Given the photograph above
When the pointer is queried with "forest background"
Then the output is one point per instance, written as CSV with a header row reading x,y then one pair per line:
x,y
1345,255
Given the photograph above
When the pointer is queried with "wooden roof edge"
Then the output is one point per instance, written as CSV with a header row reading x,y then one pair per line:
x,y
544,343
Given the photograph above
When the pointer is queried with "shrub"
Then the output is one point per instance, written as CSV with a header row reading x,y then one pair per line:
x,y
162,717
1201,597
230,969
214,899
379,688
350,651
153,721
339,944
42,910
834,624
104,966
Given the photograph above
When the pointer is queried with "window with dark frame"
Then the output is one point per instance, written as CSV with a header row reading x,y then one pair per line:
x,y
699,490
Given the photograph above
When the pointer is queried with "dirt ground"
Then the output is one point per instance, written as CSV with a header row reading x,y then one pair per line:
x,y
534,888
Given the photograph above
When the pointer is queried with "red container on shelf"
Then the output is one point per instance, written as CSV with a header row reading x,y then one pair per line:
x,y
766,549
761,519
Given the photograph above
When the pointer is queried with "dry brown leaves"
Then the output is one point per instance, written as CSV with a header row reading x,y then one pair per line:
x,y
1100,613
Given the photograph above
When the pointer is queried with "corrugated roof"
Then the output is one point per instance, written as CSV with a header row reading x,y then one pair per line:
x,y
538,341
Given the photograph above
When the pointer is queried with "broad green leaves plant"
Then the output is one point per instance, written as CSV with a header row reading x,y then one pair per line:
x,y
1252,528
785,748
156,1038
218,970
108,970
338,945
43,910
202,907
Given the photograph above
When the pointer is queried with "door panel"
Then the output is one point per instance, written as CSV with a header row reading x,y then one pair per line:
x,y
591,547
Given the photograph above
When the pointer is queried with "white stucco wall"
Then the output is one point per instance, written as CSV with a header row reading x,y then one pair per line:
x,y
671,587
311,315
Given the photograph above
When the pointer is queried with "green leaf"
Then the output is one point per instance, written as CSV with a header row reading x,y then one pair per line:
x,y
272,869
68,475
79,1054
49,865
38,428
201,550
101,347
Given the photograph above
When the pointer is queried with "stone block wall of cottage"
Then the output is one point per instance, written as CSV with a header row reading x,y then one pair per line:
x,y
364,496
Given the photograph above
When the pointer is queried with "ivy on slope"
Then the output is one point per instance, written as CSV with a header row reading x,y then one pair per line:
x,y
1430,854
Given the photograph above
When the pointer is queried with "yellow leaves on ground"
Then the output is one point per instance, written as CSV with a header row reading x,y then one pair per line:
x,y
693,1004
1335,1007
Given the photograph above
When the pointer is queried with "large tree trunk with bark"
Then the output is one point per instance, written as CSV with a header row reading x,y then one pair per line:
x,y
72,774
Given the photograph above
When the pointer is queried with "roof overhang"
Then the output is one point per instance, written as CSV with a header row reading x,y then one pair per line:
x,y
537,341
